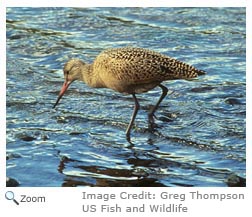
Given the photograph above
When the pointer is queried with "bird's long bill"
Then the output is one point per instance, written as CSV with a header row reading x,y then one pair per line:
x,y
63,90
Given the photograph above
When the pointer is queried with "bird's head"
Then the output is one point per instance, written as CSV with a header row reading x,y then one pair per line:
x,y
72,72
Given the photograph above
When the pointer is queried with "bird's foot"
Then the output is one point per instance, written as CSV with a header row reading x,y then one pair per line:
x,y
152,125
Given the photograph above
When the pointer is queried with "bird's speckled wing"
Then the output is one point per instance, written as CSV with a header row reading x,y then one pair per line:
x,y
140,65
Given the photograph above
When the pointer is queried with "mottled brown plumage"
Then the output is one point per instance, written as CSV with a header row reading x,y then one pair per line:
x,y
128,70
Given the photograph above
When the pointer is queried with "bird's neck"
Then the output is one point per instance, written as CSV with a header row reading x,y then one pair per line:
x,y
91,78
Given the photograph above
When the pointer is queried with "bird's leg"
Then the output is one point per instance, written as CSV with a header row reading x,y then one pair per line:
x,y
136,108
152,111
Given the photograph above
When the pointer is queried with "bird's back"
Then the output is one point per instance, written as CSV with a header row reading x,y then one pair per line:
x,y
142,65
138,70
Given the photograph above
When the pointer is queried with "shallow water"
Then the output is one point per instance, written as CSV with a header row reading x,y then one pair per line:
x,y
200,138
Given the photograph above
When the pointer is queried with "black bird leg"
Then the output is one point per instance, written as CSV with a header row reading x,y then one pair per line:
x,y
152,111
136,108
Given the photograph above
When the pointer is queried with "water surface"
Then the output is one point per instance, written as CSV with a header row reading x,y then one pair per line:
x,y
200,139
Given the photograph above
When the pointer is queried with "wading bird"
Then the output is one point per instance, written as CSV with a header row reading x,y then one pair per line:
x,y
128,70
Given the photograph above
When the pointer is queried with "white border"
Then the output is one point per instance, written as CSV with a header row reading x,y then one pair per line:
x,y
126,3
3,97
249,95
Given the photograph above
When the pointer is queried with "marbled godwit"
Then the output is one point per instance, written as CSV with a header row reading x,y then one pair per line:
x,y
128,70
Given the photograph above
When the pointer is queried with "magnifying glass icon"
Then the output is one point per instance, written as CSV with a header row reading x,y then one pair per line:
x,y
9,195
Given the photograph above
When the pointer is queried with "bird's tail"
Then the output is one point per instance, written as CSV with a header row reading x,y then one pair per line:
x,y
200,72
176,69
